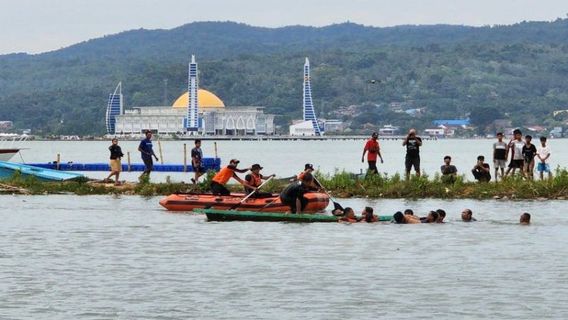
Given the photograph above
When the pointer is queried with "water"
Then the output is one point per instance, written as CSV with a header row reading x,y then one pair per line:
x,y
285,158
104,257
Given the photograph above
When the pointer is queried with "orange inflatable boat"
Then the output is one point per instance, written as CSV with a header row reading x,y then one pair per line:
x,y
317,202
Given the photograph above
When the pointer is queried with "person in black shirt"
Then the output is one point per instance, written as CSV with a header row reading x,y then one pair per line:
x,y
481,171
196,161
115,165
293,194
529,153
412,144
449,171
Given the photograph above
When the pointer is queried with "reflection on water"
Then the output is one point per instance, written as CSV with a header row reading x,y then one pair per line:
x,y
69,257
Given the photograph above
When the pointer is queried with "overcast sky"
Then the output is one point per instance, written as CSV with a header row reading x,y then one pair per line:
x,y
42,25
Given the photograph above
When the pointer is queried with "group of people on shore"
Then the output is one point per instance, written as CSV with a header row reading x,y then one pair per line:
x,y
522,153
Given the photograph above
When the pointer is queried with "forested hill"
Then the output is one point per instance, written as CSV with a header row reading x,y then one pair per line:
x,y
518,72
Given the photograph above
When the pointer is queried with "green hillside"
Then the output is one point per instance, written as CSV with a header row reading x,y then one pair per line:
x,y
518,72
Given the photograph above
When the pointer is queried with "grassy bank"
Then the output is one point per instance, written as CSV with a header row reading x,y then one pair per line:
x,y
339,184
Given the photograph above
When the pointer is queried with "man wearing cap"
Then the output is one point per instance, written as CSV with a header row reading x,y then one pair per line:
x,y
254,178
308,168
374,150
224,175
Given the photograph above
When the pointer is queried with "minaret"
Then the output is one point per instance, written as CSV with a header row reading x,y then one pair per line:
x,y
309,112
114,108
192,123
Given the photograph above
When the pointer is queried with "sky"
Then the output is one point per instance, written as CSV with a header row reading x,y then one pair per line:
x,y
35,26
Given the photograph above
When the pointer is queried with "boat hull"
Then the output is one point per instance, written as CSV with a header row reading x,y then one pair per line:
x,y
7,154
317,202
230,215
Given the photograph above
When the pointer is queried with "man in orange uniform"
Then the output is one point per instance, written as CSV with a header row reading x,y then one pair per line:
x,y
224,175
254,178
372,146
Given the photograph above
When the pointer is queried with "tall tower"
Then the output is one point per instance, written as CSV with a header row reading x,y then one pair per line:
x,y
114,108
309,112
192,122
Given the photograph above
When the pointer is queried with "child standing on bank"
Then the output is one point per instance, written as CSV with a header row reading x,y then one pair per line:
x,y
543,155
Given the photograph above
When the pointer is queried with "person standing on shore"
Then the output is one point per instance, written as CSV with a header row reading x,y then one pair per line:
x,y
516,150
529,153
374,150
196,161
147,152
412,144
543,154
115,164
500,156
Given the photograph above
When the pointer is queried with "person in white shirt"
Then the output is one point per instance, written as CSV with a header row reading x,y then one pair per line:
x,y
543,154
516,150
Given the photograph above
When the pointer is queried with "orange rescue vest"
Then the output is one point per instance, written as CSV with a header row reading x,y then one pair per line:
x,y
223,176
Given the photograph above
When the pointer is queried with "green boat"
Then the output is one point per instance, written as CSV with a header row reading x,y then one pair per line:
x,y
232,215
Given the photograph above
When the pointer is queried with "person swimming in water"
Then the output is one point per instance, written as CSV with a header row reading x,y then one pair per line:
x,y
409,212
525,218
349,216
368,215
432,217
441,215
401,218
467,216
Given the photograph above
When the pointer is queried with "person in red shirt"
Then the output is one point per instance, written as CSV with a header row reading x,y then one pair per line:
x,y
374,150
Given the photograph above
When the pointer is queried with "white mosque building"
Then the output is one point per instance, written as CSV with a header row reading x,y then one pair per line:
x,y
196,111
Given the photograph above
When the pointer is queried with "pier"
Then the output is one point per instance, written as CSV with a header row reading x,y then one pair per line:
x,y
208,164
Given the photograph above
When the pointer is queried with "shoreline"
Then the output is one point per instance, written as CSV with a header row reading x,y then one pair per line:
x,y
341,185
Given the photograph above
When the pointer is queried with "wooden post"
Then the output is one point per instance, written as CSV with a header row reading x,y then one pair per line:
x,y
128,159
215,144
160,149
58,161
184,157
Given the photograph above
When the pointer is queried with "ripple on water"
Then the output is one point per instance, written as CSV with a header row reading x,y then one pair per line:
x,y
125,258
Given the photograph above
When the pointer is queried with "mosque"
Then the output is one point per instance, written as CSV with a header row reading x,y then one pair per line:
x,y
196,111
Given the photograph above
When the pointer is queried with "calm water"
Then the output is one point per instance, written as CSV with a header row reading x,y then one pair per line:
x,y
103,257
285,158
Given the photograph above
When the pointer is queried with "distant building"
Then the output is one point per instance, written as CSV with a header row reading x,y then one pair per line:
x,y
6,125
333,125
556,132
302,128
435,132
389,130
452,123
308,108
114,109
196,111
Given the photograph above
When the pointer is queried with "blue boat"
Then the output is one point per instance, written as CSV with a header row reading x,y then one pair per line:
x,y
208,164
7,169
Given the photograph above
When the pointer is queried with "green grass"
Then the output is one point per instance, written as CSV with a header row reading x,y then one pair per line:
x,y
340,184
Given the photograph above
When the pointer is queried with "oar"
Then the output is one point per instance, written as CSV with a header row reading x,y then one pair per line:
x,y
250,194
335,204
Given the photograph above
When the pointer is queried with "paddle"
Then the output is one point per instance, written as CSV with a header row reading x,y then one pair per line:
x,y
250,194
335,204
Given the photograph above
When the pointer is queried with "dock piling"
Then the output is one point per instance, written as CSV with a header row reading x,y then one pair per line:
x,y
160,149
58,160
128,159
184,157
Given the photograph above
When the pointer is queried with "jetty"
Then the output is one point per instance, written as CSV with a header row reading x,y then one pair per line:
x,y
208,163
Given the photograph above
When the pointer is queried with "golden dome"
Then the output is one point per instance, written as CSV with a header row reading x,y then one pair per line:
x,y
205,99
